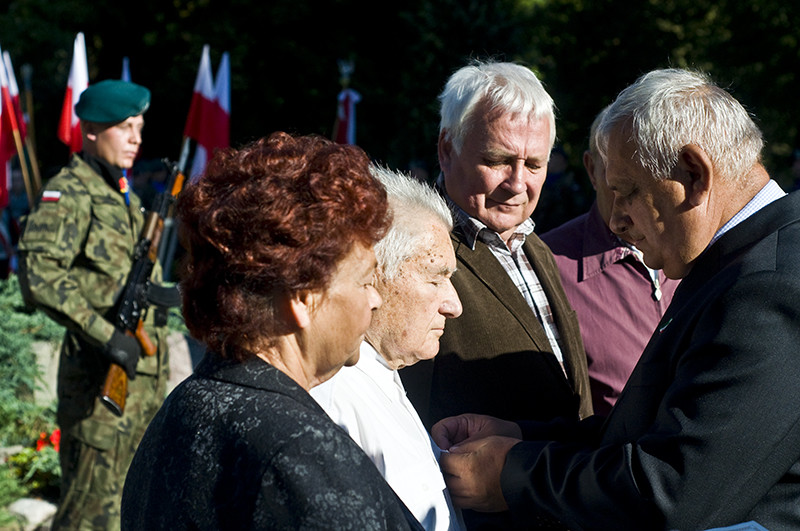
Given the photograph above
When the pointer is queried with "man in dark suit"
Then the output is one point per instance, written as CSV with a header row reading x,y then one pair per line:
x,y
516,351
707,431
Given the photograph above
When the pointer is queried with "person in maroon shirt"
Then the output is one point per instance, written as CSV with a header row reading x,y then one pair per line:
x,y
618,299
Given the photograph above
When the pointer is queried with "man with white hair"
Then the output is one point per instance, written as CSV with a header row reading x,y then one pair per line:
x,y
707,431
415,263
516,351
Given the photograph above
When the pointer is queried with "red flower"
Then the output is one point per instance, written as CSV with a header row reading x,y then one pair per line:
x,y
41,442
55,439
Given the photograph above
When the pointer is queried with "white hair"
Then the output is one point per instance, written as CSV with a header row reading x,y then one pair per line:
x,y
508,87
412,203
666,110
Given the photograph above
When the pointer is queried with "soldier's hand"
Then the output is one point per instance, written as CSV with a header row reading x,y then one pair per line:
x,y
124,350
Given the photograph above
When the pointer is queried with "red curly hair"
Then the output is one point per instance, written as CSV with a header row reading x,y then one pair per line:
x,y
265,222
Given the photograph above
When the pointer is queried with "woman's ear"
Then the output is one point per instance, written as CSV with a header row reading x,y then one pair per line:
x,y
699,169
301,305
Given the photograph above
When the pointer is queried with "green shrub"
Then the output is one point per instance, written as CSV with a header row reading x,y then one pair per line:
x,y
35,469
10,491
38,471
21,419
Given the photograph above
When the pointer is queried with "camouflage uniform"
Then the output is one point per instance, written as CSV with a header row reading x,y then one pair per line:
x,y
76,252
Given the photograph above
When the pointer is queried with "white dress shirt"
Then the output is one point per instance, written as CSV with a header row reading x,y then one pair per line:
x,y
770,192
368,400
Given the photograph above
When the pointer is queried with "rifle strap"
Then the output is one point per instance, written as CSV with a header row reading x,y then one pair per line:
x,y
164,296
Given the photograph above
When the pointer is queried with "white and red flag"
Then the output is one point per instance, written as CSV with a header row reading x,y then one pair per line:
x,y
200,108
69,128
8,129
13,90
346,116
208,123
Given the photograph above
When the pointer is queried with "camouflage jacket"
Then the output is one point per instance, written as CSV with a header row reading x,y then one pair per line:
x,y
77,249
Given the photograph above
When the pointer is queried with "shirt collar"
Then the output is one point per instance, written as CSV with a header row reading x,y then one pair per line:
x,y
601,247
110,173
769,193
372,364
474,229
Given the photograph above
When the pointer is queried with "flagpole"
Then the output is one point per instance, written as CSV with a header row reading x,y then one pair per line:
x,y
20,151
30,138
24,166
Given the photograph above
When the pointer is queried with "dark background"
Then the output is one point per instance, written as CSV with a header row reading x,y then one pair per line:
x,y
284,73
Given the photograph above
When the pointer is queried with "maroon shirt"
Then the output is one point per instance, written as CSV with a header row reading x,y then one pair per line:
x,y
612,292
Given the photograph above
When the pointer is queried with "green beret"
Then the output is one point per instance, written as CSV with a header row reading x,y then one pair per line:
x,y
112,101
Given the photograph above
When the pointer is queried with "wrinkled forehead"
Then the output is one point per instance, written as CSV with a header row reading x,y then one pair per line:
x,y
434,254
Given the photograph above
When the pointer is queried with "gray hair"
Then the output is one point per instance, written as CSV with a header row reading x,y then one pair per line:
x,y
594,148
507,87
412,202
668,109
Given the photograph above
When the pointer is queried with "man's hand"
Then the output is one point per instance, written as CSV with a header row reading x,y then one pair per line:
x,y
465,428
472,472
124,350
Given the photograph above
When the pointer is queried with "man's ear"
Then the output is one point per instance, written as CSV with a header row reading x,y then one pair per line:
x,y
588,163
697,165
445,152
301,305
89,131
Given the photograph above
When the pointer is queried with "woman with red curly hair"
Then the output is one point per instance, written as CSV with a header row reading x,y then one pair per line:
x,y
278,285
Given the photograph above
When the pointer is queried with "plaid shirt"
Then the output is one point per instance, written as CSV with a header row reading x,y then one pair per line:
x,y
516,264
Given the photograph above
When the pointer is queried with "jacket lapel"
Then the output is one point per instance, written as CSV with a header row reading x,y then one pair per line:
x,y
483,264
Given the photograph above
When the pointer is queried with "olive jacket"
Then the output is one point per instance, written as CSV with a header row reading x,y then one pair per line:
x,y
495,359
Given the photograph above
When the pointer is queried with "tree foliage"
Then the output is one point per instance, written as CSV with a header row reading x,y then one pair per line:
x,y
284,61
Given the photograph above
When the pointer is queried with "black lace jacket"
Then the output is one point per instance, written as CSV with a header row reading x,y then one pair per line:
x,y
242,446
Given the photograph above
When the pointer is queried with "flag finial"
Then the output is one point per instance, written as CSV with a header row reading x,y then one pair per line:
x,y
346,69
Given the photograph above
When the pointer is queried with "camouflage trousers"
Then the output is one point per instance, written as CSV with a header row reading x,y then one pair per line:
x,y
96,454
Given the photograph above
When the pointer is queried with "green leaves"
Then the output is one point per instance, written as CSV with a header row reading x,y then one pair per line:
x,y
21,419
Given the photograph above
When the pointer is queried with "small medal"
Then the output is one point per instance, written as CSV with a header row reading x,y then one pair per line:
x,y
124,188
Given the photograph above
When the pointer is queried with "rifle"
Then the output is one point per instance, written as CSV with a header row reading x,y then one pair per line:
x,y
139,292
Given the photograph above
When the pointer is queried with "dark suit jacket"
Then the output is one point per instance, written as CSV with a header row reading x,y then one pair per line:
x,y
707,431
495,358
242,446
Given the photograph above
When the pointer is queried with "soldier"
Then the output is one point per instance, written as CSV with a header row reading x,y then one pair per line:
x,y
75,254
